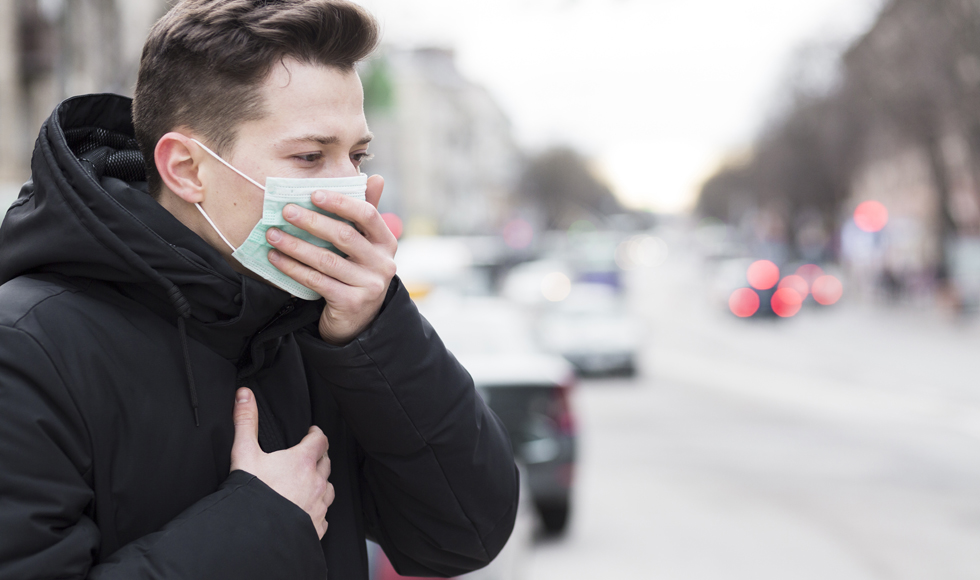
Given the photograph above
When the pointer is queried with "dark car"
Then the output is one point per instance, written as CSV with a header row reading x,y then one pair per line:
x,y
529,390
531,393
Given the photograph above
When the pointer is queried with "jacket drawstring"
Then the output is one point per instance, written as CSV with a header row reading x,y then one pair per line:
x,y
183,313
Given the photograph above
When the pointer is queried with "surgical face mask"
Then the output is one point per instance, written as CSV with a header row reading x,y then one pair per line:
x,y
279,191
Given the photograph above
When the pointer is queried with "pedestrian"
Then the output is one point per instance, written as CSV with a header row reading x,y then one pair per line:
x,y
202,373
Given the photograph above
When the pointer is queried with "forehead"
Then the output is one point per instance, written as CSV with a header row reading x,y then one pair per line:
x,y
312,99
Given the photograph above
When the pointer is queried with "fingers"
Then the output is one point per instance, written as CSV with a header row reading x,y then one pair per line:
x,y
369,264
375,185
346,237
329,494
316,258
323,283
363,214
314,445
246,419
321,528
323,466
327,500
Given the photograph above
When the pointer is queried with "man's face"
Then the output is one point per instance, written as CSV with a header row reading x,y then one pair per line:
x,y
314,127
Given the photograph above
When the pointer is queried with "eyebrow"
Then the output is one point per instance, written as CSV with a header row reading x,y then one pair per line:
x,y
328,140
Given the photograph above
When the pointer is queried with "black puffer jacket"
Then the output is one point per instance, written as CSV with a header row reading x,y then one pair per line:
x,y
123,337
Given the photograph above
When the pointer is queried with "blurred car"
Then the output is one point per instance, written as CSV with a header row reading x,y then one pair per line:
x,y
728,275
528,389
592,255
465,264
531,393
591,328
509,564
537,282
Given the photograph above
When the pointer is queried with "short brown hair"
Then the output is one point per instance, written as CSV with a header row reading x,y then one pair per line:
x,y
203,62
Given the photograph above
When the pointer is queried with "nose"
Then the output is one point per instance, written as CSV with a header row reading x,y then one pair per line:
x,y
344,167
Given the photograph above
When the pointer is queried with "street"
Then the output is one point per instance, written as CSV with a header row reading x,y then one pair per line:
x,y
842,443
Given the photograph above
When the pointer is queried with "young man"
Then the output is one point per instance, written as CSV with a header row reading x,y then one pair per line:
x,y
169,408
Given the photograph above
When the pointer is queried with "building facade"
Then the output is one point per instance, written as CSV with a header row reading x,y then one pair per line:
x,y
53,49
442,143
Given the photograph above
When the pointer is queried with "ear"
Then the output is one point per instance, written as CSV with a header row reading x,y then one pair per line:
x,y
177,161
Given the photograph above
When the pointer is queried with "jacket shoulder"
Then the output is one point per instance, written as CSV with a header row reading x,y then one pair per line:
x,y
23,294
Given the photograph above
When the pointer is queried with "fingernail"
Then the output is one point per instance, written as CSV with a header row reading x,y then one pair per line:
x,y
290,212
319,197
274,235
274,256
242,396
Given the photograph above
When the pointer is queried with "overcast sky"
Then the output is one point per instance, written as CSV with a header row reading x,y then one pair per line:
x,y
657,92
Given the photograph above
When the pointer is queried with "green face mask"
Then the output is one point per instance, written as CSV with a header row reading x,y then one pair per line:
x,y
279,191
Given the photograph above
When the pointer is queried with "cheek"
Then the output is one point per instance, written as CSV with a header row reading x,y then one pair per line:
x,y
251,210
244,211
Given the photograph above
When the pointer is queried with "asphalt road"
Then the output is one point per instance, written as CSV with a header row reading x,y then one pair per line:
x,y
844,444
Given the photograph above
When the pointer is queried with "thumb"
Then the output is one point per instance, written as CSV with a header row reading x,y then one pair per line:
x,y
375,184
246,417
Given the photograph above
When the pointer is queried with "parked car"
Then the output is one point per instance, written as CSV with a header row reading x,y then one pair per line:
x,y
528,389
531,393
592,330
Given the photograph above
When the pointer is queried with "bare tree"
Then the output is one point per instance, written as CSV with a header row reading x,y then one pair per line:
x,y
914,75
561,186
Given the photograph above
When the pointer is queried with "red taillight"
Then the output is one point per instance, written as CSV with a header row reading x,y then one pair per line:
x,y
562,407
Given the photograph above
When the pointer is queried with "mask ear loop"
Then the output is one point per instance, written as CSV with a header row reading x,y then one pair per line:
x,y
221,235
228,165
233,168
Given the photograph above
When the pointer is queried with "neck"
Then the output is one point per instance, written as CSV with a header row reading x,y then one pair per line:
x,y
188,215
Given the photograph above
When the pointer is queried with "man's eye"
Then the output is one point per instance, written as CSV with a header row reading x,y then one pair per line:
x,y
361,156
309,157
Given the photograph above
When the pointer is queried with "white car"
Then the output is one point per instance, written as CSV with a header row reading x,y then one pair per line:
x,y
592,330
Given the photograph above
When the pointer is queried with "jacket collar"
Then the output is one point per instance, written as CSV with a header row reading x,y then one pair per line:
x,y
86,213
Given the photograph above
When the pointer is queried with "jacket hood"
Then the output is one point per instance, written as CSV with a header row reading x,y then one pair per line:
x,y
86,213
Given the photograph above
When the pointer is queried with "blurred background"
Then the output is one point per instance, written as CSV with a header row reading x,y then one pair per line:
x,y
715,265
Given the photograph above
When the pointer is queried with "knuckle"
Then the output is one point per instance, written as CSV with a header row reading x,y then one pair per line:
x,y
367,213
327,260
311,219
307,463
375,288
314,278
286,247
388,268
290,242
320,487
311,446
242,417
347,234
